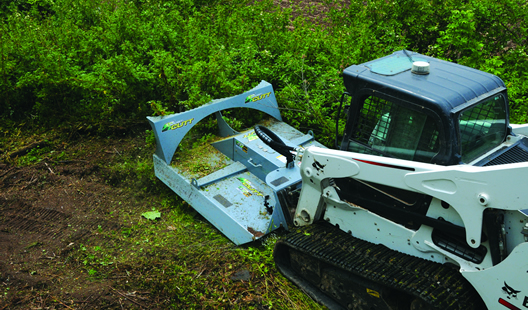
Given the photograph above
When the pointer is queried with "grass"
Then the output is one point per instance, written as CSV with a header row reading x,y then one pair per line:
x,y
178,261
183,256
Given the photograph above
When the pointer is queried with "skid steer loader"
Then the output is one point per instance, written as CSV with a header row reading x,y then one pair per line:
x,y
421,205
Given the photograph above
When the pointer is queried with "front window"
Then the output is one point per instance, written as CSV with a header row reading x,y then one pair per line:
x,y
388,129
482,127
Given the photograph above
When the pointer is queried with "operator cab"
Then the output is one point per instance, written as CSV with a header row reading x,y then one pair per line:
x,y
450,115
447,115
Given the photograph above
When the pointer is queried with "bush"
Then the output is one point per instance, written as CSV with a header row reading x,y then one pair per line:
x,y
108,61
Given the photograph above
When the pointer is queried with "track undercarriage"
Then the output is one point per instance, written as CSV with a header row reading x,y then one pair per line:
x,y
343,272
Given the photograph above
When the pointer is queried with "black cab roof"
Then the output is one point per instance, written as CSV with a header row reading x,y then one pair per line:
x,y
448,86
443,94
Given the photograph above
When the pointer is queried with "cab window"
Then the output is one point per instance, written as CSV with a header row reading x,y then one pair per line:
x,y
386,128
482,127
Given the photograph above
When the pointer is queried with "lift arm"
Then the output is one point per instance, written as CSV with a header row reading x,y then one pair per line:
x,y
468,189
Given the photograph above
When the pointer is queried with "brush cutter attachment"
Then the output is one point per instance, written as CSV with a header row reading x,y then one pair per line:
x,y
246,191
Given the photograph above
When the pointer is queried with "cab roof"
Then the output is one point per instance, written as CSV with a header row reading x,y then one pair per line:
x,y
448,86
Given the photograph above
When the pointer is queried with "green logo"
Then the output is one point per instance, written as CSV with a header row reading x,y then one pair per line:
x,y
254,98
176,125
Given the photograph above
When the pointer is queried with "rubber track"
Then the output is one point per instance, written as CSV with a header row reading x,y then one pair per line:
x,y
441,286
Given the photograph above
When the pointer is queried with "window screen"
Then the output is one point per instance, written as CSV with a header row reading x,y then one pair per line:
x,y
388,129
482,127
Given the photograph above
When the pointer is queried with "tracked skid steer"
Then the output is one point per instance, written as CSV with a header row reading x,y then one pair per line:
x,y
420,206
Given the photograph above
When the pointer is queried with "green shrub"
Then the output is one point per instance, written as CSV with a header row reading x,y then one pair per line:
x,y
108,61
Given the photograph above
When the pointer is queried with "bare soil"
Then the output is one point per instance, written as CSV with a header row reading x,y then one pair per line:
x,y
51,207
72,234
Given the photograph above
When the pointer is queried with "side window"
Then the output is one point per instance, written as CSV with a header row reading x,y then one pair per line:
x,y
388,129
482,127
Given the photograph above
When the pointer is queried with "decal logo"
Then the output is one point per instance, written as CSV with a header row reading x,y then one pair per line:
x,y
510,291
241,146
176,125
244,191
318,166
253,97
248,189
251,136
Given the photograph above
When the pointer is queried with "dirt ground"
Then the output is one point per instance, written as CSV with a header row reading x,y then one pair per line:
x,y
72,234
51,207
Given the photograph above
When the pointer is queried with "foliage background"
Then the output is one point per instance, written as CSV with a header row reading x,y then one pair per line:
x,y
101,62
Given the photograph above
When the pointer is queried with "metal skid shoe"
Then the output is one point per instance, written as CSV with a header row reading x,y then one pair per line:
x,y
245,198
